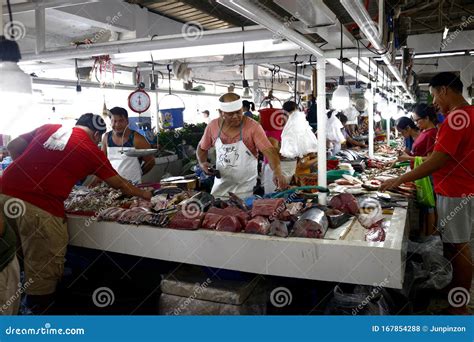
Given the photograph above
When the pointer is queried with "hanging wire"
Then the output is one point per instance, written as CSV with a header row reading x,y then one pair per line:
x,y
9,11
340,58
169,78
374,51
243,58
370,76
78,83
358,63
377,73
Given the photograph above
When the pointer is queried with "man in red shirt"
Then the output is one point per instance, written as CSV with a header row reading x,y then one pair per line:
x,y
48,162
452,166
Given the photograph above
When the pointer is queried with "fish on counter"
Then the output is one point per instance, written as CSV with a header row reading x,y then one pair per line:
x,y
258,225
346,203
229,224
185,222
268,207
376,233
312,224
279,228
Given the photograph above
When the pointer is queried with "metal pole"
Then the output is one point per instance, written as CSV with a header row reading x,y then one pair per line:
x,y
40,23
371,121
388,132
136,45
363,19
251,10
322,118
1,20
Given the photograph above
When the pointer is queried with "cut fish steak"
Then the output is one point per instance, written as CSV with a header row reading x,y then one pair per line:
x,y
181,221
211,220
345,203
268,207
258,225
229,224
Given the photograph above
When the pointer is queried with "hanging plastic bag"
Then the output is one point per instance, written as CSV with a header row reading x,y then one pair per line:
x,y
424,189
297,138
333,130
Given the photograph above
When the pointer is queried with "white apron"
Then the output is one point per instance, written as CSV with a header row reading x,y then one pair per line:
x,y
238,169
127,167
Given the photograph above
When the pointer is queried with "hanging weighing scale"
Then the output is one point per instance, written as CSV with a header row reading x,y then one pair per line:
x,y
139,100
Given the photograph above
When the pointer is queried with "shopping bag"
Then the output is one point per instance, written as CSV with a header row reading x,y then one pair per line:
x,y
424,189
297,138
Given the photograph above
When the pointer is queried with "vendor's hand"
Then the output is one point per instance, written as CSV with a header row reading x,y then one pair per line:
x,y
403,157
147,195
280,181
206,168
390,184
93,182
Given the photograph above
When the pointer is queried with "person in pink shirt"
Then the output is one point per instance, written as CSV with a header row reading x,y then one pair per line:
x,y
426,119
237,140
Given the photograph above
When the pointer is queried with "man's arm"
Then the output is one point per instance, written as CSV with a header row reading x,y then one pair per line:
x,y
127,188
274,160
104,144
406,157
201,156
351,141
140,144
16,147
435,162
275,143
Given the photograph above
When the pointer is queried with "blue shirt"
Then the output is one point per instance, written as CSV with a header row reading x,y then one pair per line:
x,y
440,118
409,143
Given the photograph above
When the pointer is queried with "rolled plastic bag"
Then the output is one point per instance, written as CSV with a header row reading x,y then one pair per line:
x,y
297,138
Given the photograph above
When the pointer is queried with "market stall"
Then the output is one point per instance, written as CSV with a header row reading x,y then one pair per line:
x,y
263,138
349,259
358,240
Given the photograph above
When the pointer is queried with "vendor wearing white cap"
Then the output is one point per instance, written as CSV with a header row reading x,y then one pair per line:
x,y
121,139
237,139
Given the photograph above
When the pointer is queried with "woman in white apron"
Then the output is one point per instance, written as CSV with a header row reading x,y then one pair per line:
x,y
127,167
237,166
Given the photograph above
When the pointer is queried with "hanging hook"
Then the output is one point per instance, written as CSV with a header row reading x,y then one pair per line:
x,y
169,78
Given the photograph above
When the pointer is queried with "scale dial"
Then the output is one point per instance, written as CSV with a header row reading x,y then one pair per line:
x,y
139,101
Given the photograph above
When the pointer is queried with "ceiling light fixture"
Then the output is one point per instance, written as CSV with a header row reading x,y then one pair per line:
x,y
15,86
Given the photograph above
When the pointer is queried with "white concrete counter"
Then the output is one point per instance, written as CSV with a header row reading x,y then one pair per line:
x,y
348,261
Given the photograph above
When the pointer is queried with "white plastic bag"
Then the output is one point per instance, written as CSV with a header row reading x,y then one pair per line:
x,y
333,130
297,138
351,113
